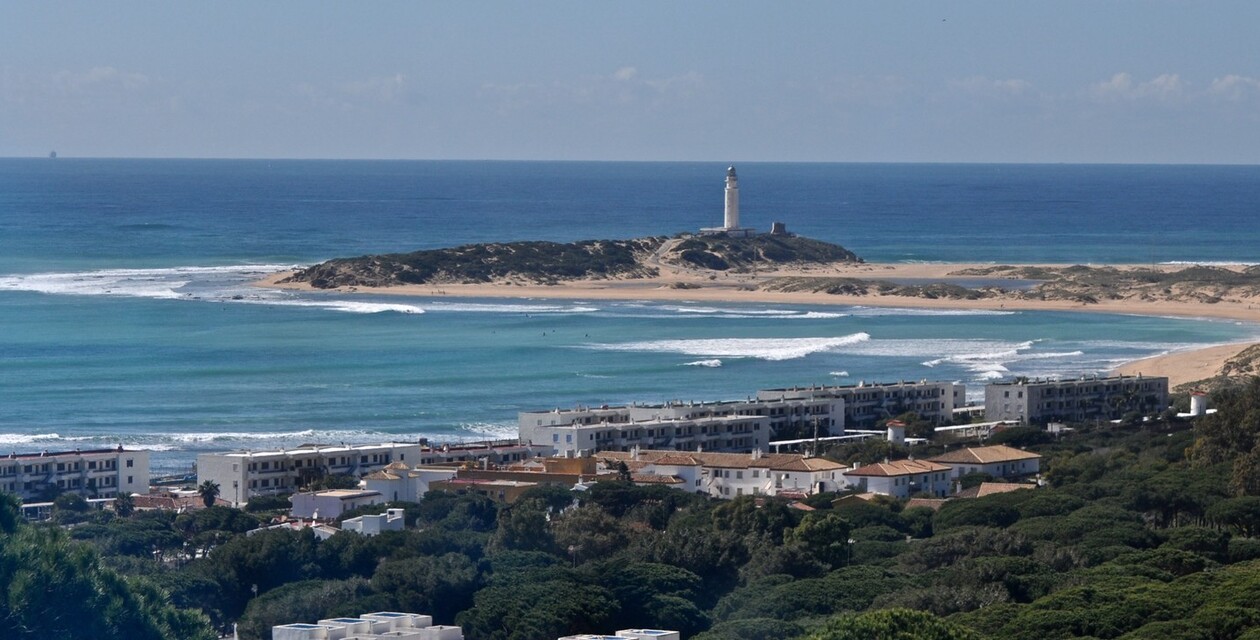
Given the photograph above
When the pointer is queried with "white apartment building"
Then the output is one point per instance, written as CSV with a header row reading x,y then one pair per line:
x,y
1087,399
100,473
728,475
865,404
736,426
901,478
244,474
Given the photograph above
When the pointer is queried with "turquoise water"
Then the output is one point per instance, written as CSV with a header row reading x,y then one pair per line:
x,y
126,315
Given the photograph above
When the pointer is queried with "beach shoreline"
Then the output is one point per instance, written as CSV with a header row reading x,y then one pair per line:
x,y
684,285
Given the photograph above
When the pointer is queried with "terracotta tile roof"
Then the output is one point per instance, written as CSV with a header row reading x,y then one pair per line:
x,y
930,503
651,478
989,488
172,502
985,455
776,461
382,475
800,506
897,468
397,466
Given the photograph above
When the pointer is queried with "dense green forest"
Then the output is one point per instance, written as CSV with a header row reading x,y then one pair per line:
x,y
1144,529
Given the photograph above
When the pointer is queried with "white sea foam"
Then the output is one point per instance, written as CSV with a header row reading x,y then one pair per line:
x,y
900,311
761,348
753,313
478,307
136,283
704,363
990,375
840,374
348,306
488,431
27,438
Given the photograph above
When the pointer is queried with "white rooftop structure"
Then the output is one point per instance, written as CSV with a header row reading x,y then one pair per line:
x,y
381,625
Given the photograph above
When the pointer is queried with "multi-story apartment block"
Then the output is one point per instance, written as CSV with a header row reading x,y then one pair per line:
x,y
1083,400
865,404
100,473
743,425
244,474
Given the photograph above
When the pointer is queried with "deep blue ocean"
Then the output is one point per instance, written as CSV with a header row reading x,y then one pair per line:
x,y
126,315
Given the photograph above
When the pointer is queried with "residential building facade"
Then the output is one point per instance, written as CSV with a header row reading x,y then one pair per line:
x,y
732,426
1037,402
100,473
244,474
866,403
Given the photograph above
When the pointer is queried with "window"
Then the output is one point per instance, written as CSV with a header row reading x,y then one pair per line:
x,y
739,475
130,463
130,480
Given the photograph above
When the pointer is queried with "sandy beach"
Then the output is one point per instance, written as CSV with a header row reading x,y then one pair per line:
x,y
684,285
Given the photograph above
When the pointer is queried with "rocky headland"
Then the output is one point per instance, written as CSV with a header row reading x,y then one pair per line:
x,y
539,262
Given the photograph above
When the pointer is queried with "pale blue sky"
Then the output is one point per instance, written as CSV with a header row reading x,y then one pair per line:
x,y
1002,81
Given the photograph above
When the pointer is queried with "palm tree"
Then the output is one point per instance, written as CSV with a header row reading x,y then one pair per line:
x,y
124,505
209,490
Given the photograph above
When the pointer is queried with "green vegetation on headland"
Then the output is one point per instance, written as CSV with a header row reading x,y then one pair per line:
x,y
549,262
477,263
1144,529
1080,284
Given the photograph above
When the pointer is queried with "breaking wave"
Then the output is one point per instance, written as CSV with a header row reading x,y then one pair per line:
x,y
704,363
760,348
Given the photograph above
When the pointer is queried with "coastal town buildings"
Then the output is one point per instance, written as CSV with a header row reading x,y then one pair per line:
x,y
728,475
98,473
244,474
867,403
1082,400
735,426
999,461
381,625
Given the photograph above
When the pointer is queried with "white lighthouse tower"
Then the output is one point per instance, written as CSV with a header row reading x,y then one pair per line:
x,y
731,220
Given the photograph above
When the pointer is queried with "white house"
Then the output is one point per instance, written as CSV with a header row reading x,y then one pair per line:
x,y
397,482
329,505
999,461
370,525
901,479
727,475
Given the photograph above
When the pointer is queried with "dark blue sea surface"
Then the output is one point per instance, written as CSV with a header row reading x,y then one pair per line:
x,y
126,314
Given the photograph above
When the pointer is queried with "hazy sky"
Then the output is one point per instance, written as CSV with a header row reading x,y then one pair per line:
x,y
1001,81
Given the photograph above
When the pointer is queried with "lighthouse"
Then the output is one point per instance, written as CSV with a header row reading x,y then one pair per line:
x,y
731,219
